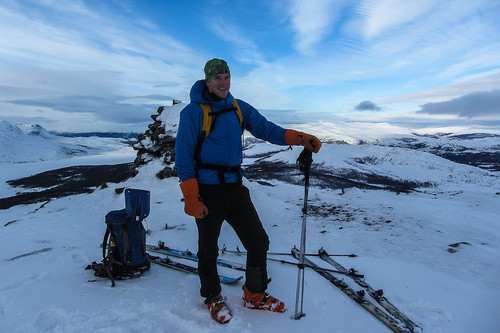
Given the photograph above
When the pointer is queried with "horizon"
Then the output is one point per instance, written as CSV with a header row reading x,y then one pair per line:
x,y
92,66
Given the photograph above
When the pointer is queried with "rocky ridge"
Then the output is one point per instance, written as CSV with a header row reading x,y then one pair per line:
x,y
158,142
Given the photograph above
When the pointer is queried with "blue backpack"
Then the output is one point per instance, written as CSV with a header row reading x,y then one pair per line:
x,y
124,244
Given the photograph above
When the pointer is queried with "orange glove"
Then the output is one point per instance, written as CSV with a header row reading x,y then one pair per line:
x,y
193,205
294,138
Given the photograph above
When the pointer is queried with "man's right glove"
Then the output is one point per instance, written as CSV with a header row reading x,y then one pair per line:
x,y
295,138
193,205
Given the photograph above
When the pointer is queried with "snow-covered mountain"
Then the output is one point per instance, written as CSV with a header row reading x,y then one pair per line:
x,y
31,143
373,150
28,143
424,228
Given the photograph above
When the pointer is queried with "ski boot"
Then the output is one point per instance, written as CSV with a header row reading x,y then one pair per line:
x,y
219,311
262,301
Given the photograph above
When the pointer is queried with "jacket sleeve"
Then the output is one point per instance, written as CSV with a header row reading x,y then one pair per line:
x,y
185,142
260,127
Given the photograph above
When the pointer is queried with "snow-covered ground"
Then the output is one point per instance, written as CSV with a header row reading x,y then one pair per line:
x,y
402,242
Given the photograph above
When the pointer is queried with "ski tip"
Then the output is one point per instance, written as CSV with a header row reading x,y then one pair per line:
x,y
229,280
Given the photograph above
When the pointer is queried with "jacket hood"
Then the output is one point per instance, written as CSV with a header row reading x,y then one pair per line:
x,y
196,95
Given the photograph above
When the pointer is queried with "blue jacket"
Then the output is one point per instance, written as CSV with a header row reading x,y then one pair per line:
x,y
223,146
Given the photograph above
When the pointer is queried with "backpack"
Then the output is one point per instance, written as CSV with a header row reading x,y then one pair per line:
x,y
124,244
209,119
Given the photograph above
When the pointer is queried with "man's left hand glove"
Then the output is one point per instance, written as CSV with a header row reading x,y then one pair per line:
x,y
295,138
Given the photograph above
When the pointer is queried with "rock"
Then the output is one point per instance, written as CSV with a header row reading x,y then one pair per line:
x,y
157,143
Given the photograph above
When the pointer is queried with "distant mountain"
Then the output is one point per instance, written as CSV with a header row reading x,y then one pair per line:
x,y
469,136
31,143
477,149
26,143
400,163
122,135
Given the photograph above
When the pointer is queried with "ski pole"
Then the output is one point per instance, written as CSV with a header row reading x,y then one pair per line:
x,y
304,161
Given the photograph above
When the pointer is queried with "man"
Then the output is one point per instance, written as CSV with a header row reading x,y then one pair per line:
x,y
208,166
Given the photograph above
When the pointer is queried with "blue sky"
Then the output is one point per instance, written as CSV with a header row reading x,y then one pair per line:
x,y
107,65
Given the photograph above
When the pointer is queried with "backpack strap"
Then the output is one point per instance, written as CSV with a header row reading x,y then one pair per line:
x,y
207,119
126,244
208,124
221,169
238,112
106,259
208,115
105,243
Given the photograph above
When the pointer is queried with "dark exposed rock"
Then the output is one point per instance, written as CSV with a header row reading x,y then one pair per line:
x,y
325,178
66,181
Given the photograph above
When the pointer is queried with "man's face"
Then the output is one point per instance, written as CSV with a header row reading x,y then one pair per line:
x,y
219,85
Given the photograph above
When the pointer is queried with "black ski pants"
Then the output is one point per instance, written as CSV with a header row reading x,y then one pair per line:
x,y
230,202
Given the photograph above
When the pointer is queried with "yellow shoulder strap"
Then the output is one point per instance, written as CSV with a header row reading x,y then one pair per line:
x,y
238,112
207,119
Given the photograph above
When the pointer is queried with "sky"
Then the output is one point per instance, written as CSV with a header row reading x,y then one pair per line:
x,y
72,65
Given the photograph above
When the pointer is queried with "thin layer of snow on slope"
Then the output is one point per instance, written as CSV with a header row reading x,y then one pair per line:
x,y
32,143
402,242
485,143
397,163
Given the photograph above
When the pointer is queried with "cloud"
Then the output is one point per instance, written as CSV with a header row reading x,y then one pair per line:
x,y
430,36
95,41
387,14
471,105
247,50
88,63
367,106
111,108
297,55
486,81
311,21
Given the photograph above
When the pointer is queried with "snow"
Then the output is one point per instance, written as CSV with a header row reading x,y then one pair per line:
x,y
32,143
402,242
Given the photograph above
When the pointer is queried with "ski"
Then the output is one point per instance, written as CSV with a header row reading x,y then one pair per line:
x,y
191,256
167,262
305,265
376,294
240,266
355,296
239,252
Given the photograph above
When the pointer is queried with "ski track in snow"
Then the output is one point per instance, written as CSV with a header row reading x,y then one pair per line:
x,y
402,242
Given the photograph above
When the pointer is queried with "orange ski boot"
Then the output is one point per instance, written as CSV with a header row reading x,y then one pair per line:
x,y
262,301
219,310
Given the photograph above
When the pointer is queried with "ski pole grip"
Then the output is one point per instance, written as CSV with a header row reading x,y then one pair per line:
x,y
305,160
